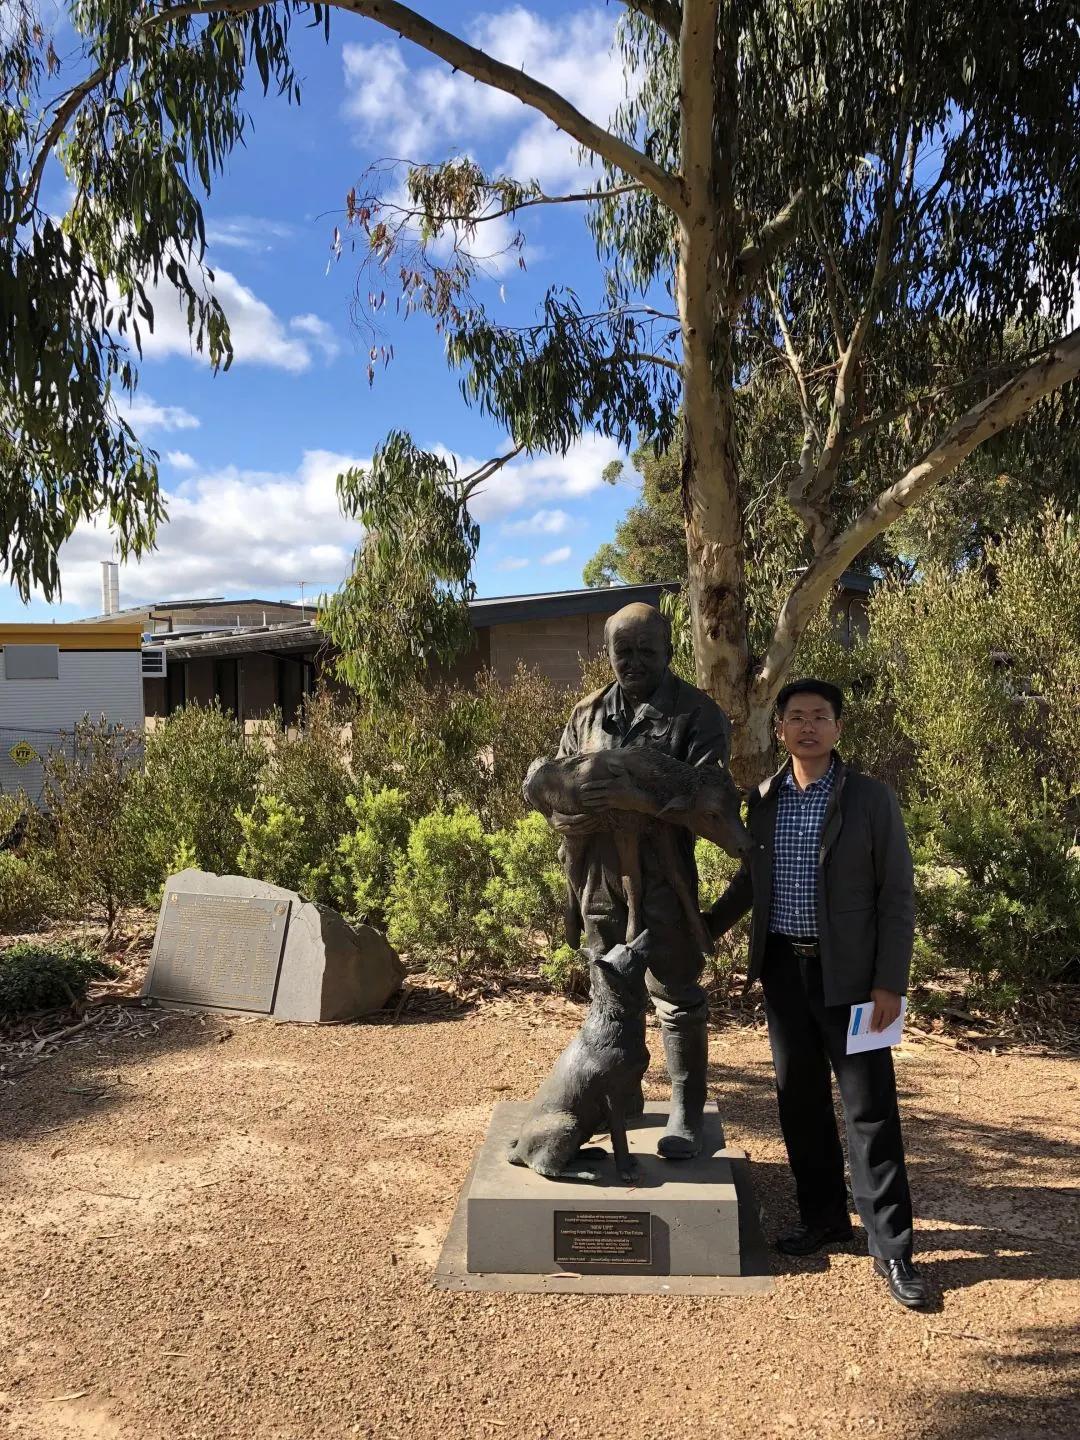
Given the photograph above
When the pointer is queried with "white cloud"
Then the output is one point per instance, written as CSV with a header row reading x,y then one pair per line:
x,y
543,522
320,332
259,336
143,414
419,112
556,557
181,460
246,232
235,531
230,531
543,478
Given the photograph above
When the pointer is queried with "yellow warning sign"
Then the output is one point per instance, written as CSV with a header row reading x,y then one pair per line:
x,y
22,752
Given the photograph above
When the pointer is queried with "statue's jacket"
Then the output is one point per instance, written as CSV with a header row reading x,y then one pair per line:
x,y
685,723
865,889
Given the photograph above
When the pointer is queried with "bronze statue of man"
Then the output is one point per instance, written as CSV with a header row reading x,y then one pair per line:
x,y
649,705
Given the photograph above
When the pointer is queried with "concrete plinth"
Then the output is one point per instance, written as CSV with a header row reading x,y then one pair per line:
x,y
680,1219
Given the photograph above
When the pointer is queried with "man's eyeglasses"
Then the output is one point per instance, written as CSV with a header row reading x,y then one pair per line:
x,y
804,722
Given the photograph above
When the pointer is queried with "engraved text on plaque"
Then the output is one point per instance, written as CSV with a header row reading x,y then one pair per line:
x,y
219,950
596,1237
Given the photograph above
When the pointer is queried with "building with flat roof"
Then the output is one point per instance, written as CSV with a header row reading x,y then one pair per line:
x,y
53,675
257,668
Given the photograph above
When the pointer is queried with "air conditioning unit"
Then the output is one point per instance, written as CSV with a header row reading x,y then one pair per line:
x,y
153,664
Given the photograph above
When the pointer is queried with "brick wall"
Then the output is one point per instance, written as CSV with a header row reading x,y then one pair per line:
x,y
554,647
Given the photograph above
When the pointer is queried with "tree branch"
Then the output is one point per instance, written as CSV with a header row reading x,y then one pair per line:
x,y
814,520
666,14
640,358
74,97
449,47
772,238
481,218
456,52
1057,367
844,389
476,478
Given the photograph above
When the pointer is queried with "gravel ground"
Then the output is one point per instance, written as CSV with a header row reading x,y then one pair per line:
x,y
227,1229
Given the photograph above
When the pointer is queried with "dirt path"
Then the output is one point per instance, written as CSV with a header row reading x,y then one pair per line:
x,y
227,1229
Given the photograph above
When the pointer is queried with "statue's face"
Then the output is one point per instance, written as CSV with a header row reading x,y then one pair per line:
x,y
639,652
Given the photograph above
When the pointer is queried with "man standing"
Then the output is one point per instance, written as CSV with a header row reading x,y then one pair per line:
x,y
649,705
830,885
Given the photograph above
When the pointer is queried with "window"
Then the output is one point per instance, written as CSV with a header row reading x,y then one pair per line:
x,y
31,662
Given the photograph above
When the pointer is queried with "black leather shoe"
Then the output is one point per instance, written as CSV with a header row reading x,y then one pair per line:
x,y
905,1283
804,1239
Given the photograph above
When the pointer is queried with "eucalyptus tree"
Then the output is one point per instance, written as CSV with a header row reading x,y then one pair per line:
x,y
874,199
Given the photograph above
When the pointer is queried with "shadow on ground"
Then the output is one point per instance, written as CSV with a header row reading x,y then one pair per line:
x,y
976,1224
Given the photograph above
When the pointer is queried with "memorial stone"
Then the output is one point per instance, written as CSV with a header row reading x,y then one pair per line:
x,y
226,942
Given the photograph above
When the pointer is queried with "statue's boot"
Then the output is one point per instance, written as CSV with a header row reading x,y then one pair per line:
x,y
687,1054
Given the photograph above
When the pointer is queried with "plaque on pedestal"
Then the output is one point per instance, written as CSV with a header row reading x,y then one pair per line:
x,y
686,1227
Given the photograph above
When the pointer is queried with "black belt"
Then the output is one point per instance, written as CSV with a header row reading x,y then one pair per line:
x,y
807,945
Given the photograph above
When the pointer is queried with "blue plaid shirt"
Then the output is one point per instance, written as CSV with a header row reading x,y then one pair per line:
x,y
800,816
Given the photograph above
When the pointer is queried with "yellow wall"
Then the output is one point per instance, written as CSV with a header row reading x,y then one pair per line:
x,y
120,635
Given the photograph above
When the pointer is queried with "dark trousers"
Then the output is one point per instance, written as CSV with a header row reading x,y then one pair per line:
x,y
807,1037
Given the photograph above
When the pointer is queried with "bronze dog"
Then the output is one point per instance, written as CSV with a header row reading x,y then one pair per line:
x,y
602,1067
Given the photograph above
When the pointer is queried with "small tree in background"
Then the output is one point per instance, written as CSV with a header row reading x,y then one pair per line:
x,y
96,854
198,772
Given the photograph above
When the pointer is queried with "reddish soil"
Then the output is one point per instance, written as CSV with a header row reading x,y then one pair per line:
x,y
227,1229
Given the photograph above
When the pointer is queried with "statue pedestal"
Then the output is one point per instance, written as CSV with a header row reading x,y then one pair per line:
x,y
686,1227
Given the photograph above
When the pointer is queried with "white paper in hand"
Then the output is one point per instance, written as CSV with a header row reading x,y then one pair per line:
x,y
859,1035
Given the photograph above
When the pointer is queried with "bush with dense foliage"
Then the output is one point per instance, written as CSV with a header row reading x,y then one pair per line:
x,y
528,889
28,893
963,695
308,774
437,908
44,977
369,856
199,770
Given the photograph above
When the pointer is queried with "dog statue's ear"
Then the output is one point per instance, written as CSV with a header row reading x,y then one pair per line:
x,y
598,958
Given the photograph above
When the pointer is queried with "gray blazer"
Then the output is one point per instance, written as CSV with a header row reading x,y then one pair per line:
x,y
865,893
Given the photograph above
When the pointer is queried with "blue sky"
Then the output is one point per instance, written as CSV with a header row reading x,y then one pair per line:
x,y
248,458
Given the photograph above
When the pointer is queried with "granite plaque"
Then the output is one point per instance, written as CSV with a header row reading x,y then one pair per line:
x,y
221,951
595,1237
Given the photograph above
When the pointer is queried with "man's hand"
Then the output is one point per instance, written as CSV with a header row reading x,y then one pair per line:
x,y
614,795
574,824
886,1009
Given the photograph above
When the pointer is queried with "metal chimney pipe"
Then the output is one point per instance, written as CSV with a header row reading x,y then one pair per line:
x,y
110,587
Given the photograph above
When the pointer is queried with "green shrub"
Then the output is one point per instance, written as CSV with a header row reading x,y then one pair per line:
x,y
436,909
43,977
198,772
445,745
528,889
28,892
96,854
308,772
998,898
567,969
369,857
271,846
